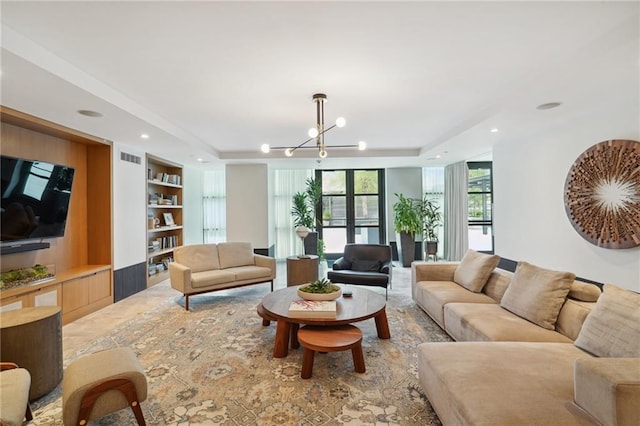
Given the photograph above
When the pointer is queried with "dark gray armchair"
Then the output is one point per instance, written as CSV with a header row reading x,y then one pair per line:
x,y
363,264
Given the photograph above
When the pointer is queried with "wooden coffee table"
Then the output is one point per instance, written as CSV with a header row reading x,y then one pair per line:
x,y
364,304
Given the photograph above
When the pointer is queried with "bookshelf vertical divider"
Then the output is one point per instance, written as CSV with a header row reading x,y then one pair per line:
x,y
164,216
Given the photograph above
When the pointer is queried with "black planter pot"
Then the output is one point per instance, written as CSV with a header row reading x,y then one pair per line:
x,y
407,249
311,243
431,249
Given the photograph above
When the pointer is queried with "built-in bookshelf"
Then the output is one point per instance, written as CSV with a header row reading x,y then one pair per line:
x,y
164,216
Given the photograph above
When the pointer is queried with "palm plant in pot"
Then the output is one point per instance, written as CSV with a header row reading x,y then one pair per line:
x,y
305,205
431,218
407,222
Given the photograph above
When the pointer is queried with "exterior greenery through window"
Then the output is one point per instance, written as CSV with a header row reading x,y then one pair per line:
x,y
480,192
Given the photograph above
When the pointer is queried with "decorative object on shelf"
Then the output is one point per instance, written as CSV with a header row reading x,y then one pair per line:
x,y
320,290
602,194
317,133
168,219
302,232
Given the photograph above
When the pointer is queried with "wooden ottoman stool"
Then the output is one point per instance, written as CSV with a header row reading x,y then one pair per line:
x,y
102,383
330,339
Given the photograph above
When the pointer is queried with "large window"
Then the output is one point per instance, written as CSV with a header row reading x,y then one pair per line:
x,y
352,208
480,189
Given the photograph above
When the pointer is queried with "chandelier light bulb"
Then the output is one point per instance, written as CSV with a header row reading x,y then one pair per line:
x,y
362,145
323,154
265,148
313,132
288,152
341,122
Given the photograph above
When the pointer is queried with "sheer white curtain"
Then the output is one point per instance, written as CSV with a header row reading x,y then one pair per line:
x,y
456,229
433,188
287,183
214,207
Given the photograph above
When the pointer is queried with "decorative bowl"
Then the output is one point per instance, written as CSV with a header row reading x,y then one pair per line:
x,y
320,296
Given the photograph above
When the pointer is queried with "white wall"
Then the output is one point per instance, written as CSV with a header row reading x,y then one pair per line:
x,y
247,187
529,217
129,208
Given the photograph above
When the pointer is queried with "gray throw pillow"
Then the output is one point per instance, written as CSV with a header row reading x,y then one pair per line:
x,y
612,328
537,294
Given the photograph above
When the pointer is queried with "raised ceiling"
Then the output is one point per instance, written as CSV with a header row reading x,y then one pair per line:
x,y
423,83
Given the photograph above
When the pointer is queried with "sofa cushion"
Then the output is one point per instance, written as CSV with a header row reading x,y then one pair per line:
x,y
501,383
432,296
366,265
474,270
612,329
537,294
198,257
244,273
497,284
235,254
213,277
474,322
585,292
572,316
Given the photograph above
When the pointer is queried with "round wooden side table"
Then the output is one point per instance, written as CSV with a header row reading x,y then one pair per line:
x,y
32,338
302,270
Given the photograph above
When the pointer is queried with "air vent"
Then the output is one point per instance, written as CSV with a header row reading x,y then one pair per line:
x,y
124,156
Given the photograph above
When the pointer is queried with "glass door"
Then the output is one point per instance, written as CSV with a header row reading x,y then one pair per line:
x,y
352,208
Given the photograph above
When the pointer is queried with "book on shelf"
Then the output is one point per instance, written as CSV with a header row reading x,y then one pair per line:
x,y
312,309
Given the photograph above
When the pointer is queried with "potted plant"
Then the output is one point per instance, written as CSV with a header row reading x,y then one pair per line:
x,y
431,218
305,205
407,222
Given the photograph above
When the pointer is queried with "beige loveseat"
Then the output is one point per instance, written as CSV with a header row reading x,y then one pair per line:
x,y
524,368
201,268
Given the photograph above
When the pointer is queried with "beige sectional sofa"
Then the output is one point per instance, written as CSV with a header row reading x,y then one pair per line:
x,y
532,347
201,268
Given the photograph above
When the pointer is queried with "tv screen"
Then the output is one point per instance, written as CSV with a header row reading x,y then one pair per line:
x,y
35,198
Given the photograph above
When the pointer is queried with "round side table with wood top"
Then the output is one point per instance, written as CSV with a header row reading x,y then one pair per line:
x,y
32,338
302,270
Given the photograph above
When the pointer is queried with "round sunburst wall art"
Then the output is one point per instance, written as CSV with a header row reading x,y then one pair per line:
x,y
602,194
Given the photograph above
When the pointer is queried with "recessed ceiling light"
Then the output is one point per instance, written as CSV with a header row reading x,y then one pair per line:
x,y
494,130
199,159
549,105
144,136
89,113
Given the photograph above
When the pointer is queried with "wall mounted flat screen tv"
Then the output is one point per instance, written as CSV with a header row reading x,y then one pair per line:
x,y
35,199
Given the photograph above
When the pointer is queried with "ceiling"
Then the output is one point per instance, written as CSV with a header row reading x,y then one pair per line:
x,y
423,83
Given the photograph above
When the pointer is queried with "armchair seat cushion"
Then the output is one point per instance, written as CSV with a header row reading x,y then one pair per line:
x,y
359,278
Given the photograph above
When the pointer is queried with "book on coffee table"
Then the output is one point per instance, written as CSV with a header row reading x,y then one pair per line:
x,y
312,309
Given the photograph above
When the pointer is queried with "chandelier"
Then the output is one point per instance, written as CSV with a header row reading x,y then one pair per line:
x,y
317,133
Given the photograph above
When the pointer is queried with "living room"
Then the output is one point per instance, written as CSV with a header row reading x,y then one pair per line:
x,y
426,93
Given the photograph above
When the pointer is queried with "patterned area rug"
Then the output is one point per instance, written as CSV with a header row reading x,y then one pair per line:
x,y
214,366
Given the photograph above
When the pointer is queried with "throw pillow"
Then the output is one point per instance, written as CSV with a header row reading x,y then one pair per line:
x,y
612,329
365,265
474,270
537,294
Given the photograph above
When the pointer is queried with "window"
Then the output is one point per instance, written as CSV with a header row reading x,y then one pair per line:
x,y
480,218
352,208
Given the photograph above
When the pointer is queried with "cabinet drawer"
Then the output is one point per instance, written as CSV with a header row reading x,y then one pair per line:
x,y
99,286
